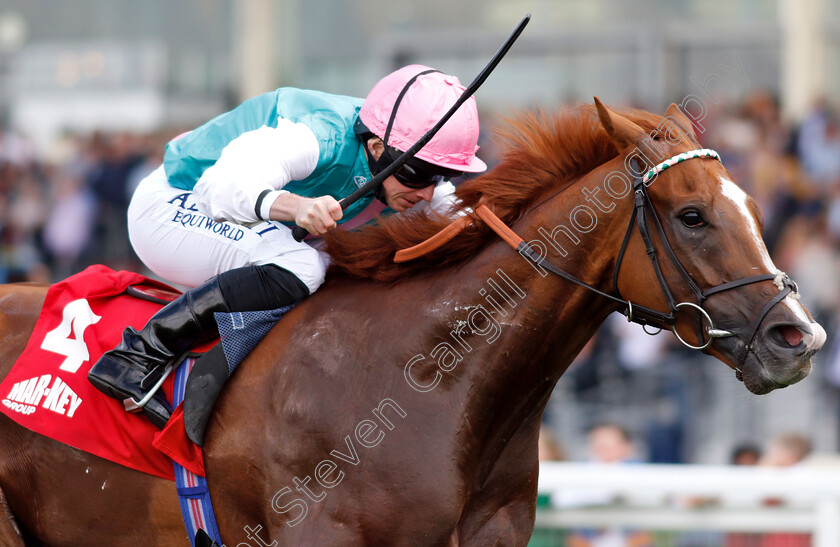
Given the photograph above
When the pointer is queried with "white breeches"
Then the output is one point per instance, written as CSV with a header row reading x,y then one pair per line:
x,y
183,245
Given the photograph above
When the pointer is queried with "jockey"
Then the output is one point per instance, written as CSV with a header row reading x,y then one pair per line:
x,y
217,215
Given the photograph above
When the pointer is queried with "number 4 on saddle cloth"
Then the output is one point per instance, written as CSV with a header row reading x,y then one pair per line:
x,y
47,390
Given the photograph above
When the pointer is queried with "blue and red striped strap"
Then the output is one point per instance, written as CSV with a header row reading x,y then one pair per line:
x,y
196,507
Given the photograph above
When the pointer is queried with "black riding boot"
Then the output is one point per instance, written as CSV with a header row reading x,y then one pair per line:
x,y
132,368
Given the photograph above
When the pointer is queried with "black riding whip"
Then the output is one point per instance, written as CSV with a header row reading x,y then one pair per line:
x,y
299,233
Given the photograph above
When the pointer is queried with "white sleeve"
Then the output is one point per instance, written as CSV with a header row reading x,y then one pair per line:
x,y
257,162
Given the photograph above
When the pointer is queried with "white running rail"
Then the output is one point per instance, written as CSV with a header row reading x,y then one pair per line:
x,y
692,497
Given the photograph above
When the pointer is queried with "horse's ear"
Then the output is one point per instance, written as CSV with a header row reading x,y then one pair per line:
x,y
674,113
622,131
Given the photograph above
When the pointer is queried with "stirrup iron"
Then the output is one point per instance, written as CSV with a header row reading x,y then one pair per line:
x,y
136,406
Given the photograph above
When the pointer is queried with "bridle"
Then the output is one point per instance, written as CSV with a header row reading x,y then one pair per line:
x,y
643,211
644,214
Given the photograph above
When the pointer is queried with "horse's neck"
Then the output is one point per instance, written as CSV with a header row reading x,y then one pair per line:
x,y
535,322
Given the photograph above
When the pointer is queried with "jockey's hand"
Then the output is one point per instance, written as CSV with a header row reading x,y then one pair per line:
x,y
318,215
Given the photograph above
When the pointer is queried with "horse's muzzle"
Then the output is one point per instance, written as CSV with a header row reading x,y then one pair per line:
x,y
781,355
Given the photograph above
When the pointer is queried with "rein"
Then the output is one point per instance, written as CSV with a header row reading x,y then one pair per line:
x,y
642,212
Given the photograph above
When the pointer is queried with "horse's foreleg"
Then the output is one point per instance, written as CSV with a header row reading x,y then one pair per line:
x,y
9,531
510,525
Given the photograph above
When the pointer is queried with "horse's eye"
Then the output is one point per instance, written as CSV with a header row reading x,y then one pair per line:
x,y
692,219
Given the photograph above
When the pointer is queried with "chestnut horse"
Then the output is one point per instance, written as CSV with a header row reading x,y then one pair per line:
x,y
401,404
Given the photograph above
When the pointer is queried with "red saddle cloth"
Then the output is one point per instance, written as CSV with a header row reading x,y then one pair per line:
x,y
47,390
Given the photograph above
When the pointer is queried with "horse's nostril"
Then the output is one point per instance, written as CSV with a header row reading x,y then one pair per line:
x,y
791,334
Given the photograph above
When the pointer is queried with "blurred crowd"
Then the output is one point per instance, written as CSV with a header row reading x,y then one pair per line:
x,y
63,211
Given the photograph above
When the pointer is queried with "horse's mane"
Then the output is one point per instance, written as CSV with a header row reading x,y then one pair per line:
x,y
540,151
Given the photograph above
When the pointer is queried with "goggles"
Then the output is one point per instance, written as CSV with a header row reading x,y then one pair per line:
x,y
416,174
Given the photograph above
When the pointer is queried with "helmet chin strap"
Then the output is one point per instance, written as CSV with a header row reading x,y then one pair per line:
x,y
379,192
376,166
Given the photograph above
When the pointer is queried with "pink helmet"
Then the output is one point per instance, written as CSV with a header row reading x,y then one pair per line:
x,y
404,105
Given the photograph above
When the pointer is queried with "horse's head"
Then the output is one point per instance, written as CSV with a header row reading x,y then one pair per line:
x,y
710,266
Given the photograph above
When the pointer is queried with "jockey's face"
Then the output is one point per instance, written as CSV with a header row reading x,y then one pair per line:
x,y
400,197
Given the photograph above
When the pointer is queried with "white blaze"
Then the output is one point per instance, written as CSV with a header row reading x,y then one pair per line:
x,y
738,197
